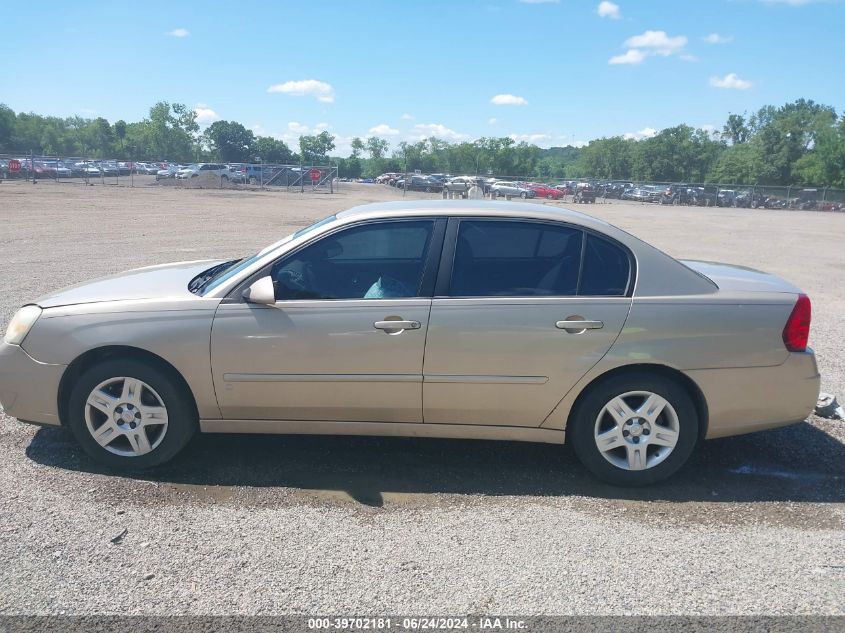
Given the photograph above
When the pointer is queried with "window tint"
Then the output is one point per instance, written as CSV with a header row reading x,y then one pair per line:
x,y
606,269
383,260
515,259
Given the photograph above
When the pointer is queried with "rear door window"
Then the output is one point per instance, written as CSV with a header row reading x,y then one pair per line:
x,y
515,259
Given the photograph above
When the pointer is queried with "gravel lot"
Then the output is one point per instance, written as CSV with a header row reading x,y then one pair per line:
x,y
272,525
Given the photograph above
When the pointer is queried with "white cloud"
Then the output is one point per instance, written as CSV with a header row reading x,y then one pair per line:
x,y
179,33
580,143
383,130
715,38
492,120
652,43
295,127
439,130
646,132
508,99
631,56
205,115
658,42
730,82
534,139
406,117
320,90
608,10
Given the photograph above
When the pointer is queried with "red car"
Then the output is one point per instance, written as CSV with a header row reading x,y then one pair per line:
x,y
544,191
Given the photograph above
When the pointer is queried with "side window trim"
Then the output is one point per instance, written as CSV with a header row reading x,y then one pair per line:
x,y
444,277
430,266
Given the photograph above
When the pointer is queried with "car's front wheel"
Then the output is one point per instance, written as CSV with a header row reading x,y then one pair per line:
x,y
634,429
128,414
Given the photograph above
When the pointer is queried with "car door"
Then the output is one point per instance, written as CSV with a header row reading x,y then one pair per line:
x,y
344,340
522,310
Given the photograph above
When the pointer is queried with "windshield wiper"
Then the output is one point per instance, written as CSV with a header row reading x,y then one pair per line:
x,y
198,283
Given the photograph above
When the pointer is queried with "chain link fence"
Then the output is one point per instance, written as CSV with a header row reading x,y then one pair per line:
x,y
128,173
599,190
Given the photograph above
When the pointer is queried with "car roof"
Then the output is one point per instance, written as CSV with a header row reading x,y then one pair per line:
x,y
473,208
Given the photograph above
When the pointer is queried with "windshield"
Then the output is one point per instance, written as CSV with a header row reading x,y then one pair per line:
x,y
210,279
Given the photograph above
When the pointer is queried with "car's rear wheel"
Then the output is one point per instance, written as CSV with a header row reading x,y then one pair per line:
x,y
523,195
634,429
127,414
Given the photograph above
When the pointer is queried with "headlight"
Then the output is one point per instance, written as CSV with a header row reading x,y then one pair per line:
x,y
21,323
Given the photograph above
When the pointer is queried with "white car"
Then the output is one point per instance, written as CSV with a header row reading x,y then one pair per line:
x,y
169,172
214,169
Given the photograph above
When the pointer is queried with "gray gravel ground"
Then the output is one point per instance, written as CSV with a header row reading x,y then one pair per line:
x,y
272,525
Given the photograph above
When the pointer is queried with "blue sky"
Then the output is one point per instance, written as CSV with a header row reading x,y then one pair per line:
x,y
551,72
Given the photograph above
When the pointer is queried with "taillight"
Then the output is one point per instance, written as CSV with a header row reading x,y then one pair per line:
x,y
797,328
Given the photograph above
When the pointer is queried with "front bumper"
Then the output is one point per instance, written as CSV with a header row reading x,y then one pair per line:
x,y
747,399
28,388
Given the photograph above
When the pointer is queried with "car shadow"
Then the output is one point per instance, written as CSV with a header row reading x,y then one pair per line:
x,y
800,463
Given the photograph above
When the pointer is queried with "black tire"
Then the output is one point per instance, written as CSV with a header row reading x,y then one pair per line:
x,y
583,422
523,195
181,414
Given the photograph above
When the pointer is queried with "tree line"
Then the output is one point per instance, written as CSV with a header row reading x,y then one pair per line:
x,y
798,143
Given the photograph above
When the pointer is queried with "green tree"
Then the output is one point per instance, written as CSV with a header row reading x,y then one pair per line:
x,y
736,130
7,126
376,147
315,149
230,141
271,150
358,147
120,132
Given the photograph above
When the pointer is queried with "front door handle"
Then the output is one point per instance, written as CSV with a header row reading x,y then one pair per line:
x,y
396,325
576,325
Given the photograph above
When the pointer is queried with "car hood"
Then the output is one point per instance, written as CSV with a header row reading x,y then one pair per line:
x,y
731,277
152,282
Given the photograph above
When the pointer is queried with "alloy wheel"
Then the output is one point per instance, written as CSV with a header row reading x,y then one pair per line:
x,y
636,430
126,416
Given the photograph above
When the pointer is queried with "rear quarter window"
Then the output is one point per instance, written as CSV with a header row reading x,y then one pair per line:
x,y
606,270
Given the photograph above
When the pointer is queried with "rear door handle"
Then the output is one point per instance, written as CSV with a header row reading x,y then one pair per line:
x,y
397,325
579,326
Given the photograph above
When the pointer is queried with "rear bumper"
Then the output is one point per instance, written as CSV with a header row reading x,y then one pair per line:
x,y
743,400
28,388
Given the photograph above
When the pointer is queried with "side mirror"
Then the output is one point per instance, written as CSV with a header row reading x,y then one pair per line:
x,y
261,292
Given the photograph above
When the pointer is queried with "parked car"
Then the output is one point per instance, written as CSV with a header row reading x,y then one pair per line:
x,y
298,339
706,196
545,191
584,192
511,190
806,199
148,169
460,185
677,194
615,189
203,169
726,198
422,183
168,172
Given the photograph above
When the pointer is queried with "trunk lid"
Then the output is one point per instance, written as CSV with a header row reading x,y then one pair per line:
x,y
730,277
